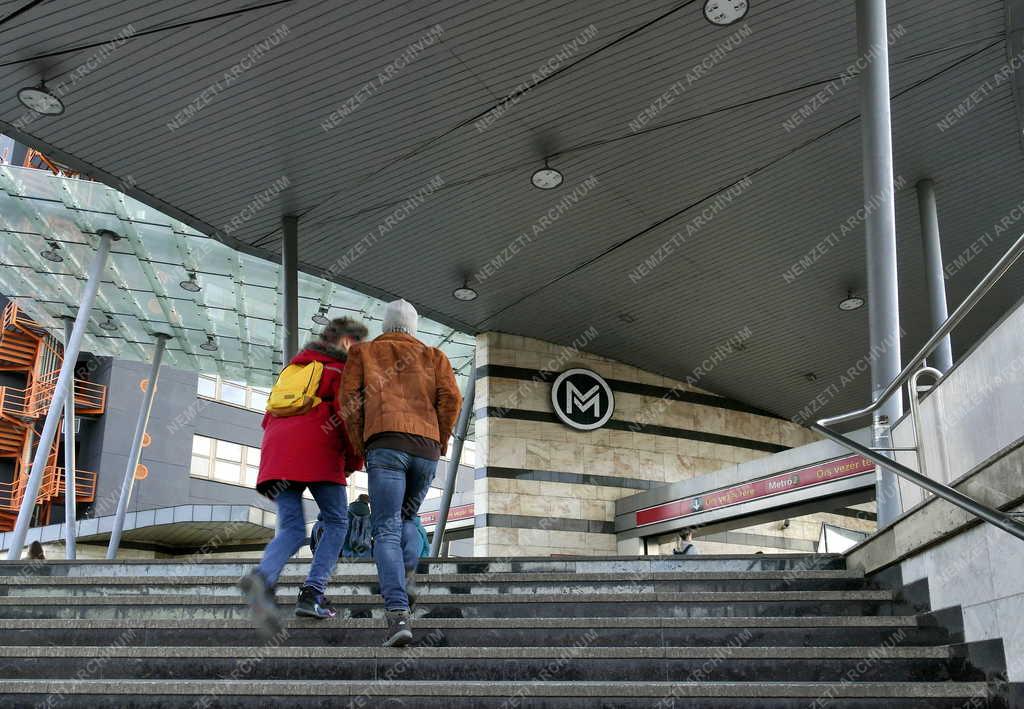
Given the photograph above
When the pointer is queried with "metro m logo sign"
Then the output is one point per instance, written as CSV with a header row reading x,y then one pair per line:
x,y
582,399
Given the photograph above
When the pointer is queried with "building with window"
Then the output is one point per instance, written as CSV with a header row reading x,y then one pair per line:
x,y
195,486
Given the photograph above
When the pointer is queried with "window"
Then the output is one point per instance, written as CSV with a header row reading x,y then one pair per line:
x,y
207,387
200,456
224,461
234,393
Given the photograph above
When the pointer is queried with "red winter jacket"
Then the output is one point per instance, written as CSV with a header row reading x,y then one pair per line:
x,y
314,446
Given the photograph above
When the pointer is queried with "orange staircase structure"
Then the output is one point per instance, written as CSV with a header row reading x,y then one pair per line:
x,y
26,348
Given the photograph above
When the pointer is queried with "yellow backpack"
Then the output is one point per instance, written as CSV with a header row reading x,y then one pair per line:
x,y
294,392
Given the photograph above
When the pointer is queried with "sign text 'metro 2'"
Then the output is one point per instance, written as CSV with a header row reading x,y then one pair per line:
x,y
755,489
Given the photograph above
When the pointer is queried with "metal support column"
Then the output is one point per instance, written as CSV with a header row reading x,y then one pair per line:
x,y
70,501
461,426
935,276
136,450
60,393
290,289
880,227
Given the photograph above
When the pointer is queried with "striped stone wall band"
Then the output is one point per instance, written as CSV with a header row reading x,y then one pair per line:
x,y
617,425
619,385
556,476
549,524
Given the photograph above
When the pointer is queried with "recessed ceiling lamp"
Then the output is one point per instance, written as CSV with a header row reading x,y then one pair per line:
x,y
725,12
109,325
191,285
52,253
41,100
210,345
851,302
547,177
464,292
321,316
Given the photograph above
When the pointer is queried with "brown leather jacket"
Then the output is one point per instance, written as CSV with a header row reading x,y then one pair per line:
x,y
396,383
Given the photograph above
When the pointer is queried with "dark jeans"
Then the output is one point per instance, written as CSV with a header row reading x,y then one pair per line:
x,y
398,483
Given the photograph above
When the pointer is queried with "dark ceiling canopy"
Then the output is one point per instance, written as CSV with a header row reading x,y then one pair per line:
x,y
712,175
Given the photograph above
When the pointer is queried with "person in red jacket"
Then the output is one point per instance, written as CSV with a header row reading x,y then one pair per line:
x,y
307,451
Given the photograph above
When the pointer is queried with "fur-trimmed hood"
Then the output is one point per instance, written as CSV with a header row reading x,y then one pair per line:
x,y
327,349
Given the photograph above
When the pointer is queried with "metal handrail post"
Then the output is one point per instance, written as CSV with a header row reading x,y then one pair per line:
x,y
453,465
915,414
54,413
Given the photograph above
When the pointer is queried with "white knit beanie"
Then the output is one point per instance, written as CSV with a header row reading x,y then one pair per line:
x,y
400,316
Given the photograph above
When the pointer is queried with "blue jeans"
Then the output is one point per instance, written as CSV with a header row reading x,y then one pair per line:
x,y
291,533
398,483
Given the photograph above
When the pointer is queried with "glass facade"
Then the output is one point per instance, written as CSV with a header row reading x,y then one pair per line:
x,y
147,283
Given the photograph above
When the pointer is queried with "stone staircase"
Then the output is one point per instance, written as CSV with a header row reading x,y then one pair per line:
x,y
712,631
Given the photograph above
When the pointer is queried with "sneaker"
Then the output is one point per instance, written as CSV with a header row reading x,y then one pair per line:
x,y
399,629
259,595
412,590
313,604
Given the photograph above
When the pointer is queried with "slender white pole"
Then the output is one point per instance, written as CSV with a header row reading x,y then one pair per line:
x,y
136,451
880,228
934,274
70,502
290,289
461,426
60,393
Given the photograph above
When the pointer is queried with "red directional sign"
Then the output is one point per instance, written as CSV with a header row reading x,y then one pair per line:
x,y
454,515
756,489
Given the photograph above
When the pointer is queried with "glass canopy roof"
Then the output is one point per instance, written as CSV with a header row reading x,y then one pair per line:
x,y
239,303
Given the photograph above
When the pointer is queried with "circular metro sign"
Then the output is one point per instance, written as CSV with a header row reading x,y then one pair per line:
x,y
582,399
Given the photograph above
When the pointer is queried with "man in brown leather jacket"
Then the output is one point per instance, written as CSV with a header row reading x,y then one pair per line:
x,y
399,401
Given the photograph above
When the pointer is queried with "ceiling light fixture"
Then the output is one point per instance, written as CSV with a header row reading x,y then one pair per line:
x,y
321,316
465,293
41,100
109,325
851,302
547,177
210,345
52,253
725,12
191,285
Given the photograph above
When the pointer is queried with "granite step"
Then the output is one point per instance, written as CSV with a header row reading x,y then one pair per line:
x,y
122,694
849,631
429,661
204,566
668,604
367,584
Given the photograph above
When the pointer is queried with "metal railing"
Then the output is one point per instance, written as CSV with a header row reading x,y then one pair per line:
x,y
1005,522
90,398
914,390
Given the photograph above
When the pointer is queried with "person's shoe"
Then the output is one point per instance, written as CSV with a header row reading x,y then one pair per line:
x,y
313,604
399,629
262,604
412,589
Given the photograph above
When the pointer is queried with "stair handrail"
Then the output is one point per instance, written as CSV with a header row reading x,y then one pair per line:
x,y
946,492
